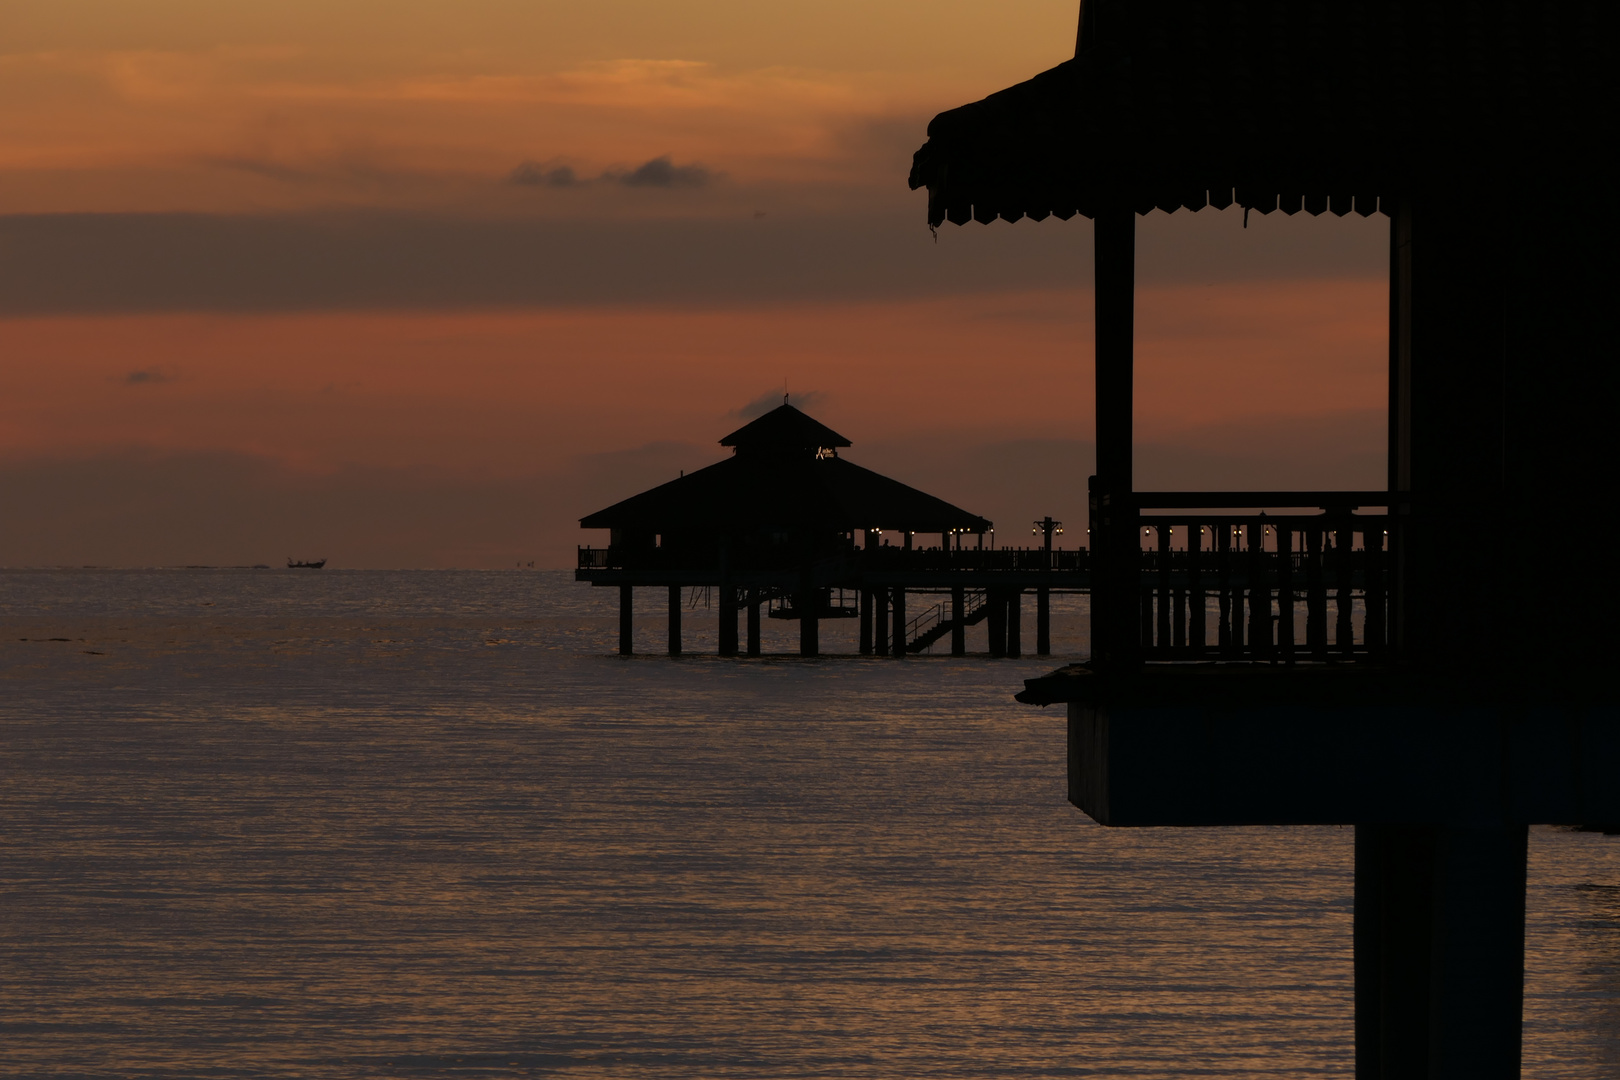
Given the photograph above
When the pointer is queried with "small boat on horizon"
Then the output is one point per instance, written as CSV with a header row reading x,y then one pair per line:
x,y
293,564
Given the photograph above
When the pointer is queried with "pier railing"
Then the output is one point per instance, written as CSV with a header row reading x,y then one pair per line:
x,y
1216,584
878,558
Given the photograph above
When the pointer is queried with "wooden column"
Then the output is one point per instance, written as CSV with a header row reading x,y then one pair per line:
x,y
728,620
626,622
997,599
958,621
898,644
866,622
1439,951
880,621
1259,594
1196,616
674,620
1043,621
1285,594
808,603
1162,623
753,622
1015,623
1114,614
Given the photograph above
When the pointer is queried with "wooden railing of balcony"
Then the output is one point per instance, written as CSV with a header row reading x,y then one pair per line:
x,y
1258,587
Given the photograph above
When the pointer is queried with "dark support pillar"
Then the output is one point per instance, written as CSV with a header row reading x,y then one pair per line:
x,y
958,621
997,622
1439,952
753,622
866,622
809,633
809,604
1114,614
728,620
1015,623
898,644
674,620
1043,621
880,621
626,622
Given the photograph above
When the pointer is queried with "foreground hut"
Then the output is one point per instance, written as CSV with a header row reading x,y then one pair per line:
x,y
1463,688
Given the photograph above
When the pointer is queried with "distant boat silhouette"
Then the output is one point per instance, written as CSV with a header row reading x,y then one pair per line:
x,y
292,564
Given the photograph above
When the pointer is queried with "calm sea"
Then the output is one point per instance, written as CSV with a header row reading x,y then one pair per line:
x,y
275,824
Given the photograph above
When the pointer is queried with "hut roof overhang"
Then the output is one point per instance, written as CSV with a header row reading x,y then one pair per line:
x,y
1320,105
780,478
746,494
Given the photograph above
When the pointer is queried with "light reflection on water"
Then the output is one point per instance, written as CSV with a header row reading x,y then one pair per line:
x,y
271,824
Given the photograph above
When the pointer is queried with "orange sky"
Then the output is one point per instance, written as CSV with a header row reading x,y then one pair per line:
x,y
428,265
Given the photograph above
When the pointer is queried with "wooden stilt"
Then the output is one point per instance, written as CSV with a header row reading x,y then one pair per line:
x,y
958,621
997,622
899,641
626,622
866,622
728,620
753,622
880,621
1015,623
674,620
808,604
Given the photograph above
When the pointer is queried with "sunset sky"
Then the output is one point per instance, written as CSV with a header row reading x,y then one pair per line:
x,y
420,284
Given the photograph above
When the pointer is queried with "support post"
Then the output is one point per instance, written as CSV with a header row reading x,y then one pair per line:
x,y
674,620
880,621
998,622
753,622
1114,604
1043,593
728,619
958,621
808,603
626,621
1439,951
899,641
866,622
1015,623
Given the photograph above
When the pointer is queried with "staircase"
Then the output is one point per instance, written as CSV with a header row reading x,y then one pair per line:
x,y
936,622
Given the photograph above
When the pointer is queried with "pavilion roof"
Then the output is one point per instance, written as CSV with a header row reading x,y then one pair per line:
x,y
748,494
785,428
778,479
1293,104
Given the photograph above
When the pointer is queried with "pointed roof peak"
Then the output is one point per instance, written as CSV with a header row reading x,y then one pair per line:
x,y
784,428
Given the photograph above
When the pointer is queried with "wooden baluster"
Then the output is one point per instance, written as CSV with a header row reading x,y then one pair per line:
x,y
1372,587
1344,629
1223,585
1285,594
1315,596
1259,593
1195,588
1178,614
1163,623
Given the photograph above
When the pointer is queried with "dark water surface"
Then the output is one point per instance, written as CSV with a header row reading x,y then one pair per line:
x,y
278,824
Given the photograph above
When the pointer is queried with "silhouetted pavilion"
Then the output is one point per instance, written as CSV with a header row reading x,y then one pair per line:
x,y
1455,683
775,525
